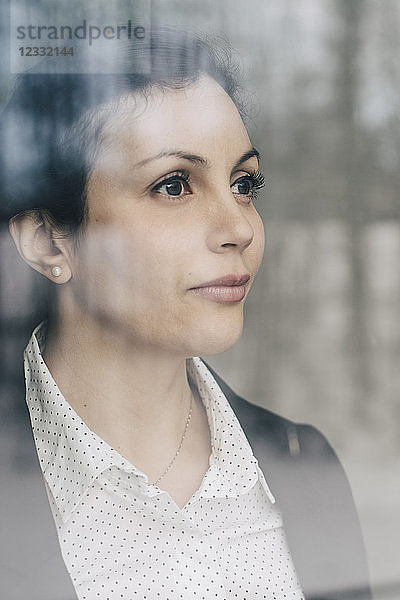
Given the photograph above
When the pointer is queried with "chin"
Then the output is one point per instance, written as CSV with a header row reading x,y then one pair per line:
x,y
216,338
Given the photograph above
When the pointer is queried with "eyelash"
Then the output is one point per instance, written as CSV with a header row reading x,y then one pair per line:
x,y
256,179
183,176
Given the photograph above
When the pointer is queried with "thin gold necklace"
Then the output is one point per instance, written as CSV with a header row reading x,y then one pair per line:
x,y
180,445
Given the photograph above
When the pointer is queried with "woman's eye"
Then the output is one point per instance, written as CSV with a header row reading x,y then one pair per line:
x,y
248,185
243,185
173,186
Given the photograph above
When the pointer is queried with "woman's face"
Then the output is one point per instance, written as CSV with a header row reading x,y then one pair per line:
x,y
169,210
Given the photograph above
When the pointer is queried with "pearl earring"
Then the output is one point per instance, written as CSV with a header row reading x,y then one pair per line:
x,y
56,271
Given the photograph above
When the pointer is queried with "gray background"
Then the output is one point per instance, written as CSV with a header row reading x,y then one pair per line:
x,y
322,332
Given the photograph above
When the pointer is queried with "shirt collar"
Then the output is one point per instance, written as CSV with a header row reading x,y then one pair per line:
x,y
236,468
62,438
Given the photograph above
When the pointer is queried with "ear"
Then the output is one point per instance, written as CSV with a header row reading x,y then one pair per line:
x,y
39,246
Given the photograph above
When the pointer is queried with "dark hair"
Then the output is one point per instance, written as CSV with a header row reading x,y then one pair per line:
x,y
52,124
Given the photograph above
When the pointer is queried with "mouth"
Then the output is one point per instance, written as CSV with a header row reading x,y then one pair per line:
x,y
228,289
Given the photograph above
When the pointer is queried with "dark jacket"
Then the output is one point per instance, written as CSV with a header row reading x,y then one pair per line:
x,y
301,469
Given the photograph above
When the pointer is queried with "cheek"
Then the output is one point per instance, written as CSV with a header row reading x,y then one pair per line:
x,y
101,267
258,245
120,268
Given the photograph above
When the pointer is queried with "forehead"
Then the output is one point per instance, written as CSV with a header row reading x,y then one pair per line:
x,y
200,117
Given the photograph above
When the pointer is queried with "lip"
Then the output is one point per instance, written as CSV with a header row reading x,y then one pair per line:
x,y
226,289
227,280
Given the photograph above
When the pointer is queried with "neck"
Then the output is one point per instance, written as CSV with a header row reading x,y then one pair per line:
x,y
132,396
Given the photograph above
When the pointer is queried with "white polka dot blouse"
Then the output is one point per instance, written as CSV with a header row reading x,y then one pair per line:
x,y
123,538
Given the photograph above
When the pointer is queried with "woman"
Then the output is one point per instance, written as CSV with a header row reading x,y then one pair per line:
x,y
137,202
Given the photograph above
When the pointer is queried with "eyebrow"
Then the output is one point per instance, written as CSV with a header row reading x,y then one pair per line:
x,y
194,158
246,156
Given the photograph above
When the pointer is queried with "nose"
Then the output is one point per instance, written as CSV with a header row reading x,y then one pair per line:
x,y
230,224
